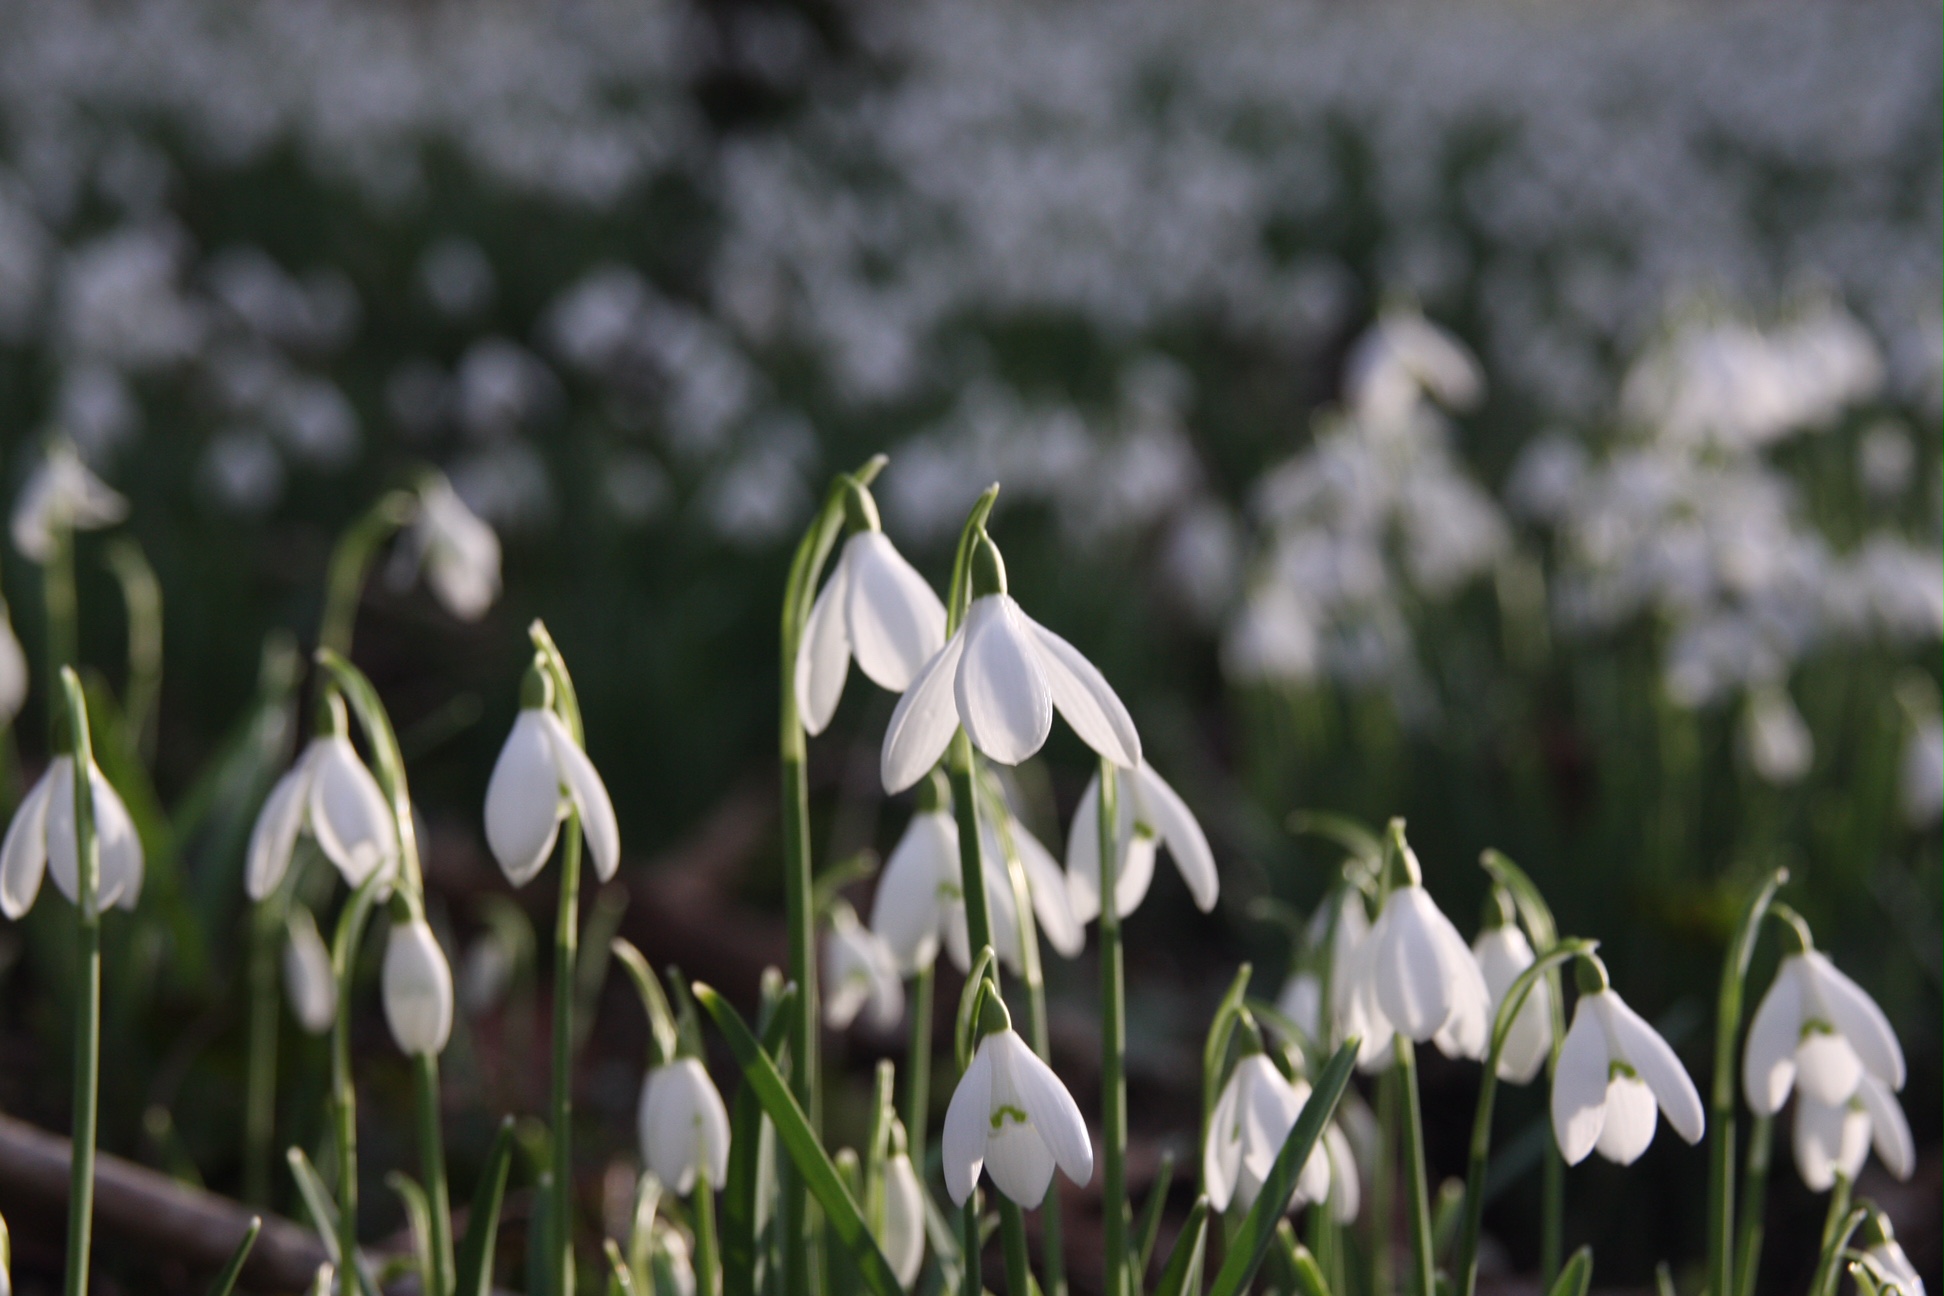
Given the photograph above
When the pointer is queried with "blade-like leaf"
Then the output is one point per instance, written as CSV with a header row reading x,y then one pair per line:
x,y
745,1151
317,1201
226,1281
418,1215
844,1219
1446,1212
1357,841
1302,1265
475,1264
1576,1276
1157,1201
1183,1271
1251,1241
661,1017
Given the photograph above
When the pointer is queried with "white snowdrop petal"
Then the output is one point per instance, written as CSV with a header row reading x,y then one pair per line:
x,y
1020,1164
1630,1120
1182,832
904,1219
1135,874
1346,1188
523,799
1467,1032
1301,1002
1827,1068
1857,1016
1411,980
924,720
823,654
120,847
1579,1090
1503,953
348,813
1083,854
967,1119
308,981
1889,1130
684,1126
895,620
1222,1150
920,882
1054,1115
1641,1046
1768,1057
1085,698
13,671
63,864
1003,699
274,835
589,794
1048,887
23,853
417,990
1818,1134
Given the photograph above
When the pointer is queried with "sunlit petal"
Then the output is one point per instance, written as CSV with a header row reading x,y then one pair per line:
x,y
1169,815
919,883
823,654
590,796
523,806
1857,1016
1630,1120
895,620
1889,1130
23,854
349,816
1768,1058
417,990
1003,699
1054,1115
967,1121
1642,1048
1085,698
1579,1090
924,720
274,837
1827,1068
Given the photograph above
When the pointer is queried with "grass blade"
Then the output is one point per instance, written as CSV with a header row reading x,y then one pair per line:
x,y
317,1202
475,1264
845,1221
1150,1225
226,1281
1576,1276
1252,1240
1184,1267
1302,1265
739,1185
418,1215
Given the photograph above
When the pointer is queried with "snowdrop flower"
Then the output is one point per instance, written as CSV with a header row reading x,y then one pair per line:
x,y
1833,1138
875,607
1414,976
1402,358
1886,1260
1001,677
684,1126
1921,774
458,552
1301,1002
1011,1115
331,794
1246,1131
1779,743
859,970
1817,1028
1613,1070
902,1236
1503,953
540,776
417,989
62,495
1149,814
308,980
41,839
13,670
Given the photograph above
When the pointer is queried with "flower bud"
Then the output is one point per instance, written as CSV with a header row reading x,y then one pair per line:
x,y
417,989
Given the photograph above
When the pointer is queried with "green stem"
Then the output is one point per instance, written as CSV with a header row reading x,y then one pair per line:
x,y
1012,1226
1552,1207
1113,1042
973,1281
260,1087
351,561
1748,1250
1838,1225
344,1094
1423,1275
1383,1185
1721,1122
918,1065
432,1166
708,1261
561,1106
87,1033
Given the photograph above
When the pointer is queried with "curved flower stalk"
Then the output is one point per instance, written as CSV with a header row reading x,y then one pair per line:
x,y
13,670
1011,1116
1000,677
43,838
455,549
1150,815
861,972
330,794
1833,1140
62,495
417,989
542,776
1817,1031
684,1126
1503,952
875,607
1613,1071
308,981
1252,1118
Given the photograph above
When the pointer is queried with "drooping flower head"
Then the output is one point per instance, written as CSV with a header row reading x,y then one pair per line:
x,y
1011,1116
1884,1257
455,548
683,1125
901,1232
331,795
1246,1131
875,607
1001,677
62,495
1503,953
417,989
1614,1070
42,839
541,775
1834,1139
860,972
1818,1031
1148,815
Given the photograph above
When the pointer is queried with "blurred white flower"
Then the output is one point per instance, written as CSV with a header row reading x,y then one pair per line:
x,y
13,670
308,980
1613,1070
1503,953
417,989
860,971
684,1127
1149,815
330,793
540,775
1818,1029
1272,638
1400,360
61,495
1833,1139
1921,775
1885,459
1301,1001
1779,743
1252,1119
1415,976
41,839
1011,1115
459,553
875,607
903,1235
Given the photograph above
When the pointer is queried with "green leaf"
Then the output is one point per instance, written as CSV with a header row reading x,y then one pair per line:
x,y
1157,1201
661,1017
1220,1029
1302,1266
226,1281
1251,1241
1358,842
793,1131
475,1263
418,1214
317,1201
1446,1212
739,1187
1182,1273
966,1023
1576,1276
